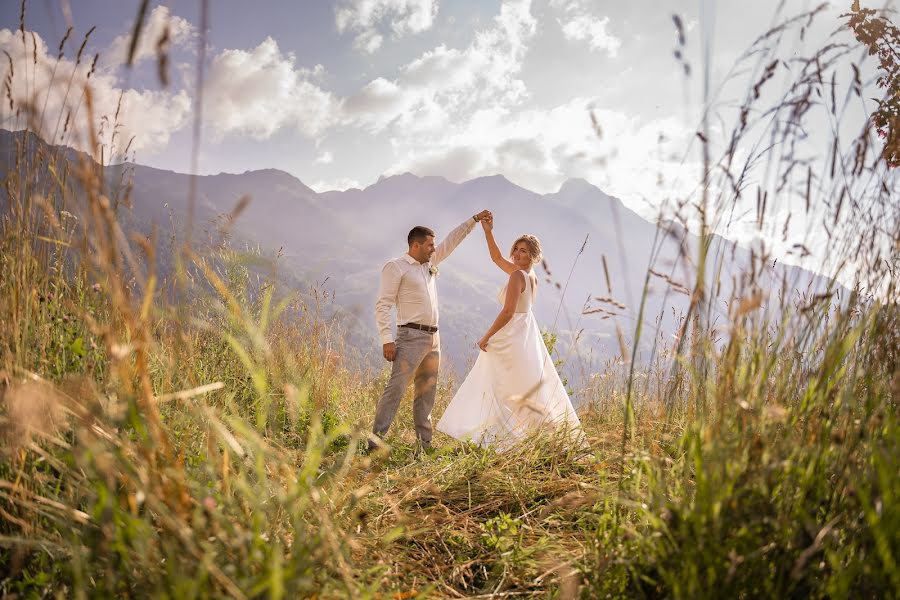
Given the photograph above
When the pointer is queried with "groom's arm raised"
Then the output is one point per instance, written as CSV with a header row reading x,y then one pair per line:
x,y
387,298
449,243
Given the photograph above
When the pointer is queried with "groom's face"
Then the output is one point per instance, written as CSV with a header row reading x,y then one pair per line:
x,y
422,251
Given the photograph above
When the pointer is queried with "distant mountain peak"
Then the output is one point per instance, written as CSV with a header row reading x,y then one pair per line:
x,y
400,182
498,183
498,177
577,184
576,188
405,176
395,181
275,174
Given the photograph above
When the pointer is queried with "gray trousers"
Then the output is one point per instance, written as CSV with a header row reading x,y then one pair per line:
x,y
418,355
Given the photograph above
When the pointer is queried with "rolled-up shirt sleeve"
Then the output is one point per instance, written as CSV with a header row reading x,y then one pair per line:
x,y
387,298
449,243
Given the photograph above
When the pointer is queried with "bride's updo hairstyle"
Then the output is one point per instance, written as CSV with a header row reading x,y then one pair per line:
x,y
533,244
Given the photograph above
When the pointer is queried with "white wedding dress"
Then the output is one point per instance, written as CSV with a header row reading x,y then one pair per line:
x,y
513,388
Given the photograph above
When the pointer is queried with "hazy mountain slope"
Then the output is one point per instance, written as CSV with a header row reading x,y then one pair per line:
x,y
345,237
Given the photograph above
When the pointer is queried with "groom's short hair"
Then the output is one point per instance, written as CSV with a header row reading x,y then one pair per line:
x,y
418,234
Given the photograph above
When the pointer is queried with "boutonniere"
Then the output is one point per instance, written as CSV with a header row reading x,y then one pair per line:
x,y
433,270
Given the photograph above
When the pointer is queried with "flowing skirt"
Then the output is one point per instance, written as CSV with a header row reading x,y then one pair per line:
x,y
512,389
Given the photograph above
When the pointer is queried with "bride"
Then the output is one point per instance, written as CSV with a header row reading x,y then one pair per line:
x,y
513,388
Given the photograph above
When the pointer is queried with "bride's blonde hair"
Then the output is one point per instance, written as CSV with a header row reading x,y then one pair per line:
x,y
533,244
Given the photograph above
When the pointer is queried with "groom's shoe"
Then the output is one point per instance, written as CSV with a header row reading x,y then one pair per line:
x,y
425,448
374,445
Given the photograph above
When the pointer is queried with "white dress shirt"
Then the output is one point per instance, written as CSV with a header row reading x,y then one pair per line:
x,y
411,287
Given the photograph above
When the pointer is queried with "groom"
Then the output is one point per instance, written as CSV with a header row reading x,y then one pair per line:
x,y
409,284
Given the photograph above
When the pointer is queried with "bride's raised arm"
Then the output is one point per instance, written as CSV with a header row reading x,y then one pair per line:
x,y
488,225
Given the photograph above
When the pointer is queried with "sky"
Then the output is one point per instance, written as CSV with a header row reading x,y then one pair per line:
x,y
339,93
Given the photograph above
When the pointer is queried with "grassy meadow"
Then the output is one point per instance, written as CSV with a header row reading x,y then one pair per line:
x,y
199,434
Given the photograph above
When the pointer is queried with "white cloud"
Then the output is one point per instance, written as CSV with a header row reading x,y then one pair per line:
x,y
364,17
148,116
151,117
369,41
260,91
578,23
593,30
455,162
458,112
539,149
446,66
181,32
326,158
377,104
444,83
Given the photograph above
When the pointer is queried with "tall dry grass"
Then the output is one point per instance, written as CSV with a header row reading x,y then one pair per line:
x,y
197,436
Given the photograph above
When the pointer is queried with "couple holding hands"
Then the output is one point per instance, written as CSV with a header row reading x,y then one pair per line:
x,y
513,387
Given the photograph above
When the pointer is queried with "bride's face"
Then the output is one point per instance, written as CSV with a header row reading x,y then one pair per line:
x,y
521,256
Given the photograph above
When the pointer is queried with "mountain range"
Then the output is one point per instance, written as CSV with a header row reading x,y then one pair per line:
x,y
342,238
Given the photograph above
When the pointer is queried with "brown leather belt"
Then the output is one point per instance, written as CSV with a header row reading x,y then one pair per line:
x,y
427,328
